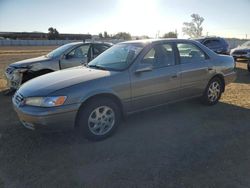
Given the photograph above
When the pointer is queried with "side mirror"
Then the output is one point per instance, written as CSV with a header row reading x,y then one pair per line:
x,y
67,56
144,68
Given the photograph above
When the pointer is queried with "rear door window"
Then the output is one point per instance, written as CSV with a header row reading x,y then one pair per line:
x,y
212,43
79,52
190,53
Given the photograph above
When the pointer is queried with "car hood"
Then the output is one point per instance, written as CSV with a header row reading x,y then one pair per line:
x,y
44,85
241,48
27,62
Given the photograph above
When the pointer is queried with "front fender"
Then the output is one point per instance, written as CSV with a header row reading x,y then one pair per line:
x,y
51,65
98,92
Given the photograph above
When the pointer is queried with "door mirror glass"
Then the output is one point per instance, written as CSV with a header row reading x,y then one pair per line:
x,y
68,56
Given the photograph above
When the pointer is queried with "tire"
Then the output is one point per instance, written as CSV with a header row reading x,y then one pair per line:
x,y
213,91
98,119
248,66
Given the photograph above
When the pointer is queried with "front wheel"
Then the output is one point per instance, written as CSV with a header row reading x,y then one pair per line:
x,y
99,118
213,91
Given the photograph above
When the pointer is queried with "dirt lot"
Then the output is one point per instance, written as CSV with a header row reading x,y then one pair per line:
x,y
179,145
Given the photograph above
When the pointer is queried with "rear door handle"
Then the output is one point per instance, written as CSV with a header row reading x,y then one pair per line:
x,y
174,76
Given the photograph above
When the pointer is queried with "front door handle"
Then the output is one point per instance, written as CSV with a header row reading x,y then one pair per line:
x,y
210,69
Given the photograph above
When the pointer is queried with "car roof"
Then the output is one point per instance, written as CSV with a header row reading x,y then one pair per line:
x,y
205,38
76,43
148,41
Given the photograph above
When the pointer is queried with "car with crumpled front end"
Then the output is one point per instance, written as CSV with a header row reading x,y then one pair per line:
x,y
66,56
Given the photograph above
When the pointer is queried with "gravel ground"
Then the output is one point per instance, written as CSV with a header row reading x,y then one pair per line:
x,y
182,145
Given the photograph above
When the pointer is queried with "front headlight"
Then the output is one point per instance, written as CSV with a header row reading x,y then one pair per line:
x,y
20,70
45,101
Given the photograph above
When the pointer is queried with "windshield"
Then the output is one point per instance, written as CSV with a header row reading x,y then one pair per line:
x,y
246,44
117,57
59,51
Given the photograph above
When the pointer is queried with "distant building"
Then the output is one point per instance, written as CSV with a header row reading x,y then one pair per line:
x,y
42,36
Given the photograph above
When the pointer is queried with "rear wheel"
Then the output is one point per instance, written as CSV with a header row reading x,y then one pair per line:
x,y
99,118
213,91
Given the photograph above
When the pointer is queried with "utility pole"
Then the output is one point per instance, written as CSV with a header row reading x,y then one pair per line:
x,y
158,33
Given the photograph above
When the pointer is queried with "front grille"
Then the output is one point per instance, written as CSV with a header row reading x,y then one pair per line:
x,y
240,52
18,98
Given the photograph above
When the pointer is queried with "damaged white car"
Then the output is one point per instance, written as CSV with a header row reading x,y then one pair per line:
x,y
66,56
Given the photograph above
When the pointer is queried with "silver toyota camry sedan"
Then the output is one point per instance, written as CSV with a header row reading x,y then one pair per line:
x,y
128,77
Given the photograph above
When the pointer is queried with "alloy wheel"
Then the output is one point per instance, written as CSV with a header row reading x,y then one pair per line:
x,y
214,91
101,120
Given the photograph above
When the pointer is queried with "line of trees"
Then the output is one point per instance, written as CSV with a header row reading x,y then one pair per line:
x,y
193,29
170,34
119,35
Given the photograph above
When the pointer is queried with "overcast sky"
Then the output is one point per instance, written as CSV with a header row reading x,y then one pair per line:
x,y
226,18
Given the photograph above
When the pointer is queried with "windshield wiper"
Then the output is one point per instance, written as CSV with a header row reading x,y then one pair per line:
x,y
97,67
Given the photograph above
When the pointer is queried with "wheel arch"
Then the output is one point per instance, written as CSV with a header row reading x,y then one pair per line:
x,y
221,77
111,96
32,74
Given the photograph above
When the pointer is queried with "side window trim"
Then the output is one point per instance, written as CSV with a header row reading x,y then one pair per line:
x,y
206,56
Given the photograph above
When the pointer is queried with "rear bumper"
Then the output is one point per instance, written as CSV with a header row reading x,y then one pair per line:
x,y
56,118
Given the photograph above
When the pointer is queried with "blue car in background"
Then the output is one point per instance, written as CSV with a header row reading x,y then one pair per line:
x,y
217,44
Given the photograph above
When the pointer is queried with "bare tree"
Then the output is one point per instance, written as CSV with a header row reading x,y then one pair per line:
x,y
193,29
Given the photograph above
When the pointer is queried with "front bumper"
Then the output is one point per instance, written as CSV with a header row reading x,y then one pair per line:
x,y
14,79
55,118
